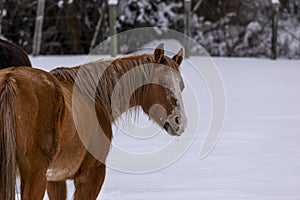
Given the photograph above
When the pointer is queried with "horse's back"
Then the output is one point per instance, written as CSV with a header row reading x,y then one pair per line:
x,y
12,55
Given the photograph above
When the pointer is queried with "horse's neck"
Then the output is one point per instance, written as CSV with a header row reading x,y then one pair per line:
x,y
119,86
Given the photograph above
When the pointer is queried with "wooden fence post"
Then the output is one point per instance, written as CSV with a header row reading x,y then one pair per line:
x,y
187,26
275,7
112,27
2,14
101,11
37,37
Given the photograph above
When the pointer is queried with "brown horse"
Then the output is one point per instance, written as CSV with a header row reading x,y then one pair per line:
x,y
40,130
12,55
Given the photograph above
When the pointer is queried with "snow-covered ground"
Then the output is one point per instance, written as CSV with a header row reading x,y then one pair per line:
x,y
257,156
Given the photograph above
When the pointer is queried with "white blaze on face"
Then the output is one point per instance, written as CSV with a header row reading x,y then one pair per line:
x,y
172,80
176,84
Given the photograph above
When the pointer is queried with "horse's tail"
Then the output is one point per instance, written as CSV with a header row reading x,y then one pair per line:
x,y
8,161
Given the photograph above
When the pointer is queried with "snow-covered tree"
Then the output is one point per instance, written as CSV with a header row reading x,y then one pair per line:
x,y
223,27
140,13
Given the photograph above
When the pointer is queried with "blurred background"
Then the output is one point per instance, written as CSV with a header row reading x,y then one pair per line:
x,y
228,28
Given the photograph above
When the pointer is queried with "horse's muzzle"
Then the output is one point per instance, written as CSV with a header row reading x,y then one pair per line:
x,y
176,123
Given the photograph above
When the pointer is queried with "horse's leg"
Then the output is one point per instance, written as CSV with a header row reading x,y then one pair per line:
x,y
90,176
33,180
33,188
89,180
57,190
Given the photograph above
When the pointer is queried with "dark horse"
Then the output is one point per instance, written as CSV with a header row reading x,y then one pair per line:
x,y
40,131
12,55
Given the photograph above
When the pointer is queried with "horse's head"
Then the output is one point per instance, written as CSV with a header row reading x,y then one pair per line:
x,y
164,101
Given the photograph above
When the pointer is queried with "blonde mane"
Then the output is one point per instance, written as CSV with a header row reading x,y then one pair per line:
x,y
107,73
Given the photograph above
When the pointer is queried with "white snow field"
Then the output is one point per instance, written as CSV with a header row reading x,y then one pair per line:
x,y
257,156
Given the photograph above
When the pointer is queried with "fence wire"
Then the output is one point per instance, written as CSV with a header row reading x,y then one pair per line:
x,y
66,32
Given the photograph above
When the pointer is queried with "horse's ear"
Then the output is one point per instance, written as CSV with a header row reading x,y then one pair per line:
x,y
178,58
159,53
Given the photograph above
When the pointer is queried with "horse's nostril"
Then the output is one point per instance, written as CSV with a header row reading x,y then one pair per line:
x,y
177,120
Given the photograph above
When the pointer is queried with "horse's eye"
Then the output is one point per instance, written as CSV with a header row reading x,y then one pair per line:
x,y
162,82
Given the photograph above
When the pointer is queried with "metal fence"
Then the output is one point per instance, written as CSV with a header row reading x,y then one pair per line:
x,y
71,29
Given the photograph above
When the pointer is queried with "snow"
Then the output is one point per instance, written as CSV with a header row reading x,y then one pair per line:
x,y
60,4
275,1
113,2
252,29
3,13
257,156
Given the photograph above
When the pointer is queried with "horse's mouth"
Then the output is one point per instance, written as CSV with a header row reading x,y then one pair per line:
x,y
170,130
